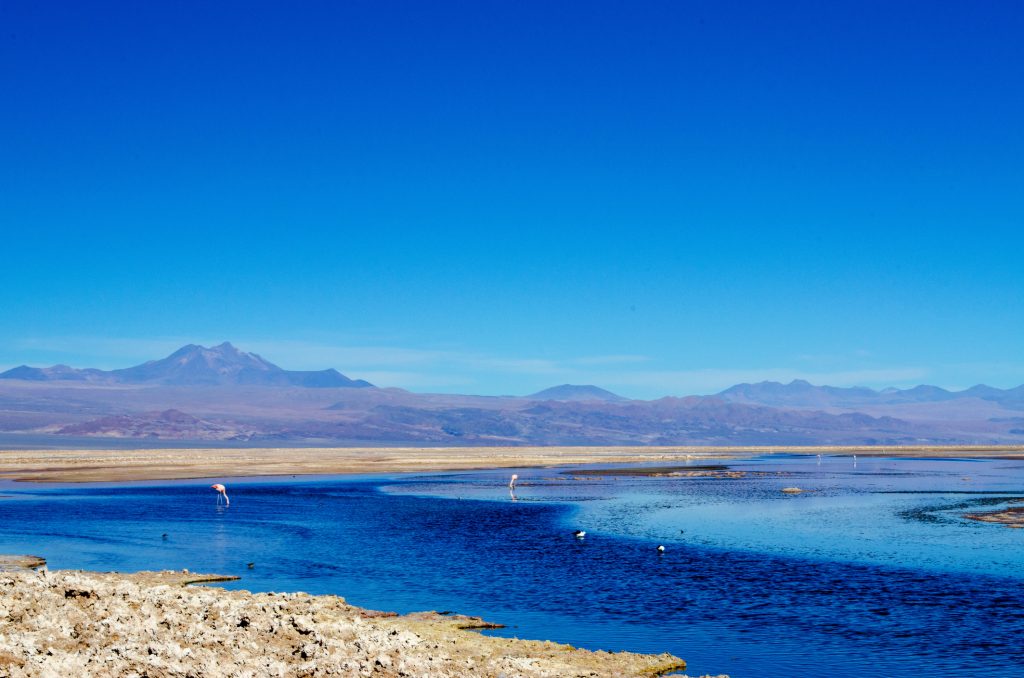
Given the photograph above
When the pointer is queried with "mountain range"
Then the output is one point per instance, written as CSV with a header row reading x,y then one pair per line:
x,y
199,395
800,393
194,365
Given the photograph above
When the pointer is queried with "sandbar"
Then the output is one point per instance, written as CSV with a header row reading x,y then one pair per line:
x,y
1011,517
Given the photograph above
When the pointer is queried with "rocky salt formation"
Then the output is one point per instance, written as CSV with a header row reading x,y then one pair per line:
x,y
1011,517
20,562
72,623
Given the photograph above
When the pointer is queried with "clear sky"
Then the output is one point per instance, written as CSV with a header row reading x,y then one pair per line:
x,y
495,197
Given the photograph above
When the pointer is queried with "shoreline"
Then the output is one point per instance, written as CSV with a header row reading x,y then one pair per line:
x,y
128,465
522,658
74,622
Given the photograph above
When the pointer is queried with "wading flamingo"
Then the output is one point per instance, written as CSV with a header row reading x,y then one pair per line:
x,y
512,483
222,492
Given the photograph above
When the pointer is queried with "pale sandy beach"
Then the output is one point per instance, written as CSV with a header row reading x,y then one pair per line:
x,y
169,464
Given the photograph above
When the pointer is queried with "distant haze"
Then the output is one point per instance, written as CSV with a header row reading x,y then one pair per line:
x,y
571,392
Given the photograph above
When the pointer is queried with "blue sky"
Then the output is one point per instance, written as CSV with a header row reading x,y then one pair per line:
x,y
494,197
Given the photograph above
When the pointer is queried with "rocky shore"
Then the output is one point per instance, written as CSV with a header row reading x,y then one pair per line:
x,y
74,623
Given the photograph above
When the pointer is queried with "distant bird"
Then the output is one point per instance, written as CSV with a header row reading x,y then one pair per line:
x,y
251,566
164,536
222,492
661,549
819,458
512,483
579,534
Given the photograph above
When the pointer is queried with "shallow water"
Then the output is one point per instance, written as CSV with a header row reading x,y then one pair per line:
x,y
872,570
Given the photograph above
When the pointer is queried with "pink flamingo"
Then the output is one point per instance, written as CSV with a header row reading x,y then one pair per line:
x,y
223,493
512,483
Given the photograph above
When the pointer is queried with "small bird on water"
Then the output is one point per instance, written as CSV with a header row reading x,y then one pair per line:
x,y
661,549
579,534
251,566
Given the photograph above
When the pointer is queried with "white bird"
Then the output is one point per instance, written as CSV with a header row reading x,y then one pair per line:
x,y
661,549
223,492
579,534
512,483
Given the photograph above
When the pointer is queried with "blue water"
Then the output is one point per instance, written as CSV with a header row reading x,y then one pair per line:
x,y
872,570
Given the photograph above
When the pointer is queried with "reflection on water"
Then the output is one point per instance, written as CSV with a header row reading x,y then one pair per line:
x,y
871,569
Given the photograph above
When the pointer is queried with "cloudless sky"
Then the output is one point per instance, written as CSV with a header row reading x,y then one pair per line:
x,y
495,197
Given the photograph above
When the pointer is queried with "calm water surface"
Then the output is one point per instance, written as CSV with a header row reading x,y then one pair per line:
x,y
872,570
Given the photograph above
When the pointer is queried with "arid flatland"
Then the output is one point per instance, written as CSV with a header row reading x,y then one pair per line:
x,y
170,464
